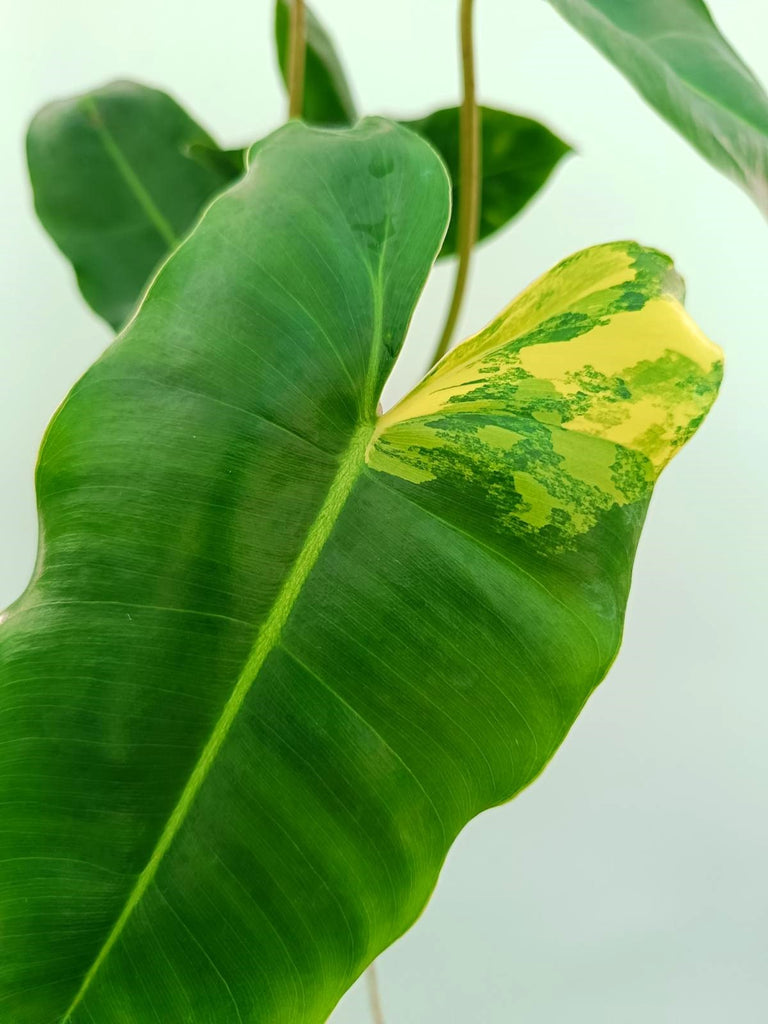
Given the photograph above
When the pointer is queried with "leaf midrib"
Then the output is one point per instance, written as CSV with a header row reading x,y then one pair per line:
x,y
350,465
155,216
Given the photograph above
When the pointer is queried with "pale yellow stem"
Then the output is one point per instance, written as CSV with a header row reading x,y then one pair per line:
x,y
297,51
374,996
468,214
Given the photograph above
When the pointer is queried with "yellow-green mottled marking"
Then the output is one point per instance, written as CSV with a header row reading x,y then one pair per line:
x,y
568,403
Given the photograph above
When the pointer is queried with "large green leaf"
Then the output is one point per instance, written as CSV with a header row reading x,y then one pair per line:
x,y
277,650
327,96
674,55
119,176
519,154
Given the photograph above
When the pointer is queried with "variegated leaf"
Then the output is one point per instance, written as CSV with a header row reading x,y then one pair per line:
x,y
277,651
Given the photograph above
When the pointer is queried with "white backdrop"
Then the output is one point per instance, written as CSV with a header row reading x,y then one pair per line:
x,y
628,885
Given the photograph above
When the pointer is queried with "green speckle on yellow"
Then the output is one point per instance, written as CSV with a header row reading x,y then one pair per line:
x,y
569,403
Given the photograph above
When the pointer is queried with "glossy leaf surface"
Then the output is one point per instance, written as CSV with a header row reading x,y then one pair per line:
x,y
675,56
519,154
327,96
277,651
119,176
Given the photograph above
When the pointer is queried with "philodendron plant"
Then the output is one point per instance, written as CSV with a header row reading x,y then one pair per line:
x,y
279,646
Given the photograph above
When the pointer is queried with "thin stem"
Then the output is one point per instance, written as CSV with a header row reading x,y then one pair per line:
x,y
374,997
469,177
297,43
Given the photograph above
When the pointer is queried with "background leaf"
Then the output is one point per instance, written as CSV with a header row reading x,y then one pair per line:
x,y
327,96
674,55
519,154
277,651
229,162
119,177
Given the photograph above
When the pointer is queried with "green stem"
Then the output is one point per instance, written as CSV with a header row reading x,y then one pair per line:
x,y
374,997
469,177
297,51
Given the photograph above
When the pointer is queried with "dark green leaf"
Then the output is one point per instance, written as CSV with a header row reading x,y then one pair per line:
x,y
117,185
277,651
674,55
227,162
327,97
517,158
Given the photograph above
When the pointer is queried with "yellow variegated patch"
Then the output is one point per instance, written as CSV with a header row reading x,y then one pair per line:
x,y
567,404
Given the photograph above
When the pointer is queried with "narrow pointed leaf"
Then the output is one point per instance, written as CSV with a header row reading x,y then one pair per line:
x,y
327,96
677,59
519,154
277,651
118,181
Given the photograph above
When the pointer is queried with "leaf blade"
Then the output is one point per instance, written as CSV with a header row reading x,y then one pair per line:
x,y
327,95
132,413
116,186
519,155
596,366
428,666
675,56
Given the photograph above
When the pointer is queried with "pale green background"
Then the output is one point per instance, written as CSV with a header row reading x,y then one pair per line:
x,y
628,886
